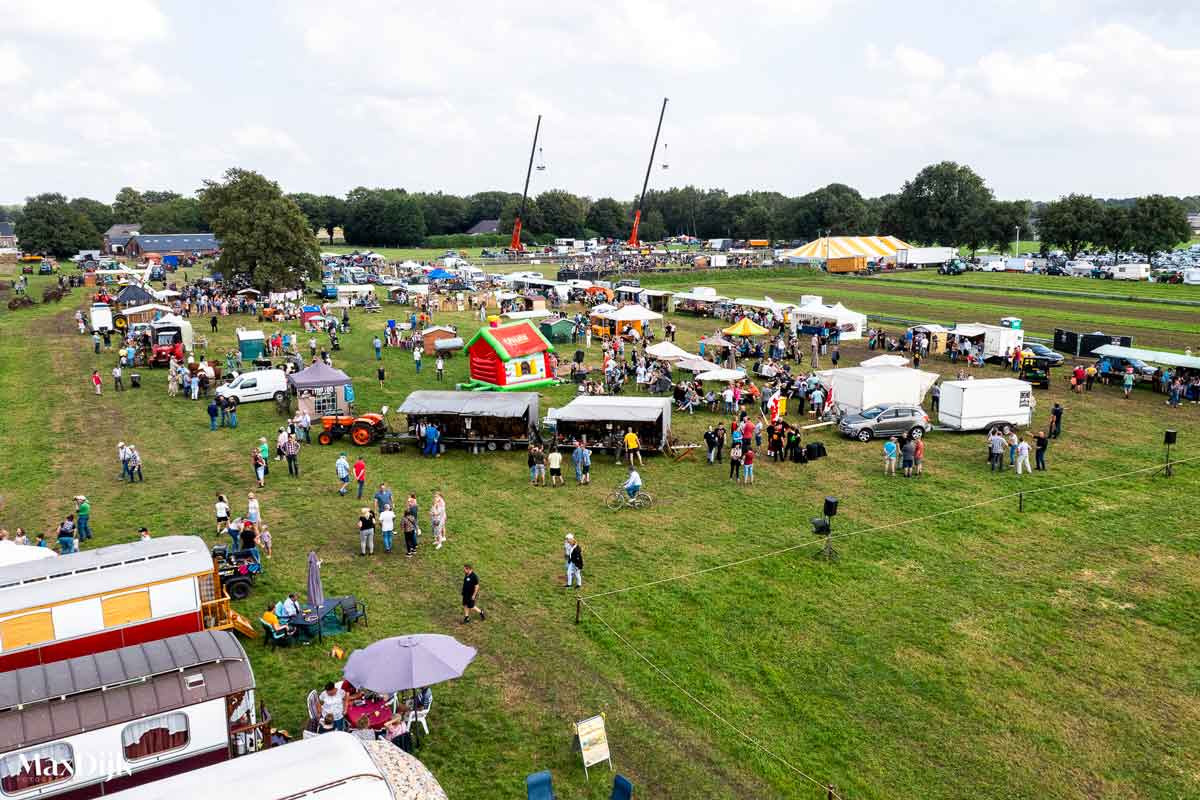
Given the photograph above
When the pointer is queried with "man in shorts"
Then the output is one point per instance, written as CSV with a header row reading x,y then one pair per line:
x,y
633,446
554,462
890,451
470,593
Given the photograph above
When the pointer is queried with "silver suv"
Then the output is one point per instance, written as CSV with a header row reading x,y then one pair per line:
x,y
891,419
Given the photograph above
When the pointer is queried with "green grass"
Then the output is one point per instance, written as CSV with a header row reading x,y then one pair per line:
x,y
991,653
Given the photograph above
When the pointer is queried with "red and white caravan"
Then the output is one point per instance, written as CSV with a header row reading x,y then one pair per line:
x,y
94,725
109,597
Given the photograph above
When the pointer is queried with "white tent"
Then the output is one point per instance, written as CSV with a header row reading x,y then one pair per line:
x,y
696,364
537,313
722,375
629,313
668,351
849,323
886,360
13,553
856,388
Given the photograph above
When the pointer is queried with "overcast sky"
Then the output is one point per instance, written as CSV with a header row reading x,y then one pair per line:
x,y
1041,98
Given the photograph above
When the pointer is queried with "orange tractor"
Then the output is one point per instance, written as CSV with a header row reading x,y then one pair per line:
x,y
363,430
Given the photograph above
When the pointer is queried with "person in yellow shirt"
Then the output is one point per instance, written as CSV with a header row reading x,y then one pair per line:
x,y
633,446
271,619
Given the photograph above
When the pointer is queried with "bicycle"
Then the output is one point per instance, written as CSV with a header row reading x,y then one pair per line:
x,y
620,499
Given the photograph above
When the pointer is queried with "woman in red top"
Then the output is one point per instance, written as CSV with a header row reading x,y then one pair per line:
x,y
96,380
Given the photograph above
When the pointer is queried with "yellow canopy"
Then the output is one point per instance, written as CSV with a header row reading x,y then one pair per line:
x,y
842,246
744,327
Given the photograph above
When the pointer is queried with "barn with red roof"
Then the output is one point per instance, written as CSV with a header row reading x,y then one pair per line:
x,y
510,357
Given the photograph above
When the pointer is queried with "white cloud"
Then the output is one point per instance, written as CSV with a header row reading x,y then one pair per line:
x,y
13,69
918,65
263,138
26,152
111,21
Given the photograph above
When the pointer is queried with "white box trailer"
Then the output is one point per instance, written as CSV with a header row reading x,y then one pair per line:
x,y
1129,272
980,404
1018,265
924,256
997,341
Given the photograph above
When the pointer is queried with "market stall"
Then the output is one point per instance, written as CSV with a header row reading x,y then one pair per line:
x,y
322,390
937,335
700,301
629,320
476,420
815,317
603,420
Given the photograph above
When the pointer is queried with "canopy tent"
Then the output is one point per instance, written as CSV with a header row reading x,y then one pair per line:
x,y
886,360
603,420
698,296
250,291
537,313
766,304
134,295
319,376
1153,356
722,375
166,294
668,351
744,327
473,404
12,553
856,388
596,408
716,341
439,274
843,246
696,364
849,323
968,330
629,313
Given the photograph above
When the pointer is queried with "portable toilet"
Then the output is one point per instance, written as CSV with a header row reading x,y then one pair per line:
x,y
1011,322
557,331
250,344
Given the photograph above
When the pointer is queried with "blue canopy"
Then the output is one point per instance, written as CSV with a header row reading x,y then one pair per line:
x,y
439,275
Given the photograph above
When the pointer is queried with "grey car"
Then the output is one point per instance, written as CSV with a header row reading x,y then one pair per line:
x,y
892,419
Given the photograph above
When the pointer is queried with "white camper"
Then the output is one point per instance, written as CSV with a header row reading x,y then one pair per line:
x,y
1129,272
980,404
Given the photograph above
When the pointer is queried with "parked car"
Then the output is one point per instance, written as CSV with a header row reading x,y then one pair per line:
x,y
158,274
889,419
1041,351
45,268
265,384
1116,366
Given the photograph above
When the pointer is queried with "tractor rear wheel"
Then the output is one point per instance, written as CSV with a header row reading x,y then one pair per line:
x,y
324,438
362,434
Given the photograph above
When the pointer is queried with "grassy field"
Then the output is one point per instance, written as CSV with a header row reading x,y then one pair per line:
x,y
1112,290
987,652
933,298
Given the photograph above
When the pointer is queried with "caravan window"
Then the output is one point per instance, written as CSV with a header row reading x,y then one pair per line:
x,y
149,737
37,767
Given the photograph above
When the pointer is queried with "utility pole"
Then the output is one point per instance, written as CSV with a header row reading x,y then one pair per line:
x,y
515,244
637,217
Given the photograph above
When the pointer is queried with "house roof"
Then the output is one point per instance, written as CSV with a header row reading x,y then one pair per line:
x,y
64,698
6,229
485,226
177,241
125,229
513,341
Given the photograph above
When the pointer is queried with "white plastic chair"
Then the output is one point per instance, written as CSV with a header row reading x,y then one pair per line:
x,y
311,702
418,716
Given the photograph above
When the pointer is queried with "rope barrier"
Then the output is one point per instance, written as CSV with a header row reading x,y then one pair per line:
x,y
885,526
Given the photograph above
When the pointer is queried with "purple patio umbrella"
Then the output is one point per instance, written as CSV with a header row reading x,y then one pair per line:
x,y
407,662
316,592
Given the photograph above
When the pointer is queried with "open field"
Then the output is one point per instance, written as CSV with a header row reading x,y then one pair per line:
x,y
1114,290
984,653
940,299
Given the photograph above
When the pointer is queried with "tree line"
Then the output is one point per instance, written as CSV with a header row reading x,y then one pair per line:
x,y
943,204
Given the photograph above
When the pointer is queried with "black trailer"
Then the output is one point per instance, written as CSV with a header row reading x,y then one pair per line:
x,y
477,421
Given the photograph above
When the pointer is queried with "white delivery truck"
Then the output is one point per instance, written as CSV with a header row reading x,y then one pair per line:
x,y
917,257
1018,265
991,263
981,404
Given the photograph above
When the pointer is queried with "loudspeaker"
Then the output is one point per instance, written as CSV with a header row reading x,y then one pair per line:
x,y
820,526
831,504
1168,438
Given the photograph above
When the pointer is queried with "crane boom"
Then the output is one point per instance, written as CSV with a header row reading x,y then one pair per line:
x,y
637,217
515,244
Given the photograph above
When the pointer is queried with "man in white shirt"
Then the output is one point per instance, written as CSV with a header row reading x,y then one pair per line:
x,y
554,462
634,484
290,606
387,525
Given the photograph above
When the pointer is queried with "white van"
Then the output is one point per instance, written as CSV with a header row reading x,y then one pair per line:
x,y
101,317
262,384
992,263
1129,272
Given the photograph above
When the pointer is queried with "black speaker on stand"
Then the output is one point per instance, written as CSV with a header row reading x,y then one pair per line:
x,y
1169,438
822,527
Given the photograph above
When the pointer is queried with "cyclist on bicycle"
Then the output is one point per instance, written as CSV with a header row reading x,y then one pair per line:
x,y
634,484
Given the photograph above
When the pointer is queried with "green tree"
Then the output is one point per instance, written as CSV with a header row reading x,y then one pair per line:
x,y
263,234
487,205
383,217
444,213
153,197
1116,233
754,222
607,218
943,205
128,206
100,214
1155,223
1072,223
653,227
179,215
48,225
836,207
531,225
562,213
1001,221
312,207
333,214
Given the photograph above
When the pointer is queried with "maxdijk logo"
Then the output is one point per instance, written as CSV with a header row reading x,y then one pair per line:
x,y
87,765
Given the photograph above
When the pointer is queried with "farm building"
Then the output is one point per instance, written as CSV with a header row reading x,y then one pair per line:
x,y
117,236
202,243
8,236
510,357
431,336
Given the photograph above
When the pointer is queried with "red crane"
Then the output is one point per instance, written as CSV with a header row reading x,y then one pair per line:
x,y
637,217
516,237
